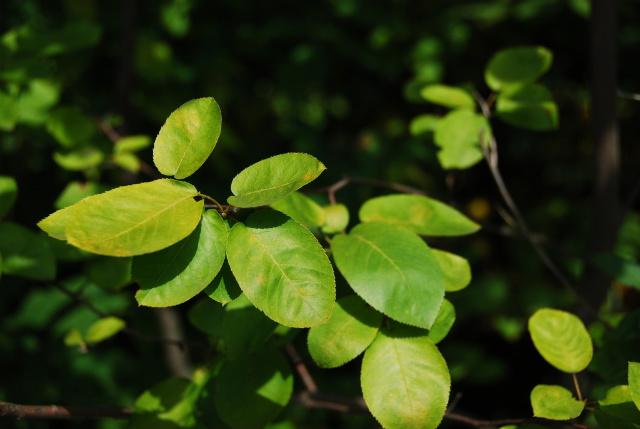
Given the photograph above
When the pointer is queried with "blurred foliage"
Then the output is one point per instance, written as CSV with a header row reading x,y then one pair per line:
x,y
340,79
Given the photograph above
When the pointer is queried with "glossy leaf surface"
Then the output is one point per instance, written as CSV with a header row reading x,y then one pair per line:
x,y
393,270
251,391
8,194
448,96
273,178
351,329
516,66
459,138
562,339
130,220
618,409
25,253
422,215
181,271
528,106
456,269
301,208
187,138
555,403
104,328
282,269
405,379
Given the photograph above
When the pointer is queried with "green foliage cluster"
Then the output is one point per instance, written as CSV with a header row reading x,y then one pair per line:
x,y
382,282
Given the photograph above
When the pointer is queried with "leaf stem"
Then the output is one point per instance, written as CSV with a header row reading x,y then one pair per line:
x,y
220,209
577,386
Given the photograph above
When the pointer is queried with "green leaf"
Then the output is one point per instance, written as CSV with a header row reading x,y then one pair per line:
x,y
393,270
127,161
423,124
224,287
634,382
74,339
132,144
251,391
422,215
618,268
69,127
350,330
282,269
555,403
336,218
528,106
181,271
206,315
8,194
444,322
130,220
104,328
405,380
9,111
76,191
301,208
618,405
562,339
456,269
273,178
79,159
187,138
109,272
170,404
448,96
25,253
459,138
516,66
244,328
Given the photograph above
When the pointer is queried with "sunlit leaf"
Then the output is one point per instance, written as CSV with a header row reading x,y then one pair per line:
x,y
336,218
127,161
555,403
79,159
9,111
181,271
351,329
528,106
459,136
273,178
424,124
405,379
104,328
187,138
132,144
444,322
282,269
515,66
251,391
634,382
301,208
393,270
8,194
129,220
76,191
618,409
25,253
422,215
456,269
448,96
562,339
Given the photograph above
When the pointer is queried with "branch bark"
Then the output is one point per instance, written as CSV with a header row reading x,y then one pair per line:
x,y
59,412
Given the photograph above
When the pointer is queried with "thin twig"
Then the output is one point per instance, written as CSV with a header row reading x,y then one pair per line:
x,y
628,95
326,401
301,368
494,424
331,190
18,411
220,209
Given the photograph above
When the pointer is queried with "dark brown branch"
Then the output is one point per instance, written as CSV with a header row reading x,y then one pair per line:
x,y
59,412
326,401
301,368
331,190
